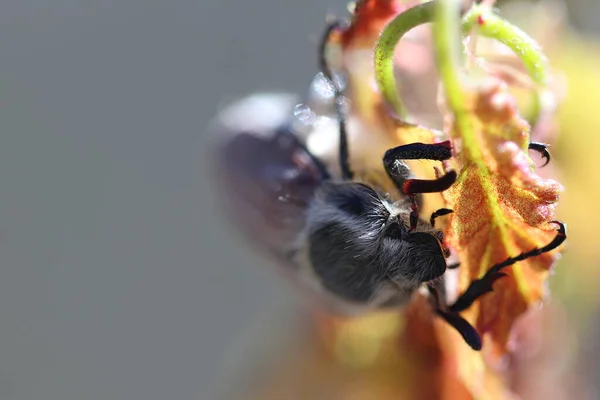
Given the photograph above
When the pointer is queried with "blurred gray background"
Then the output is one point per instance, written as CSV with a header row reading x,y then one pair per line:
x,y
119,279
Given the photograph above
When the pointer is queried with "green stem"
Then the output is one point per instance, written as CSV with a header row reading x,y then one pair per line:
x,y
384,51
488,25
492,26
448,48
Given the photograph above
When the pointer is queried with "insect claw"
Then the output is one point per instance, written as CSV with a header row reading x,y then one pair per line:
x,y
562,227
542,149
439,213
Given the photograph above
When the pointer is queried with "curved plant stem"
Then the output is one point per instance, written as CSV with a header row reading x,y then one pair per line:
x,y
384,51
486,23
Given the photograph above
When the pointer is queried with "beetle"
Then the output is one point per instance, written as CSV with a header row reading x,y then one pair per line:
x,y
349,241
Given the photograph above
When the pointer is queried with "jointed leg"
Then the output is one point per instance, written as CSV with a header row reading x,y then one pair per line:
x,y
336,25
332,26
466,330
439,213
400,173
484,285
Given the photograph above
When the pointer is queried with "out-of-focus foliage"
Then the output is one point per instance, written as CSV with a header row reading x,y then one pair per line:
x,y
577,153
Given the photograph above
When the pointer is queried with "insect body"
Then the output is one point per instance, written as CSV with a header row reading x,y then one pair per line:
x,y
345,238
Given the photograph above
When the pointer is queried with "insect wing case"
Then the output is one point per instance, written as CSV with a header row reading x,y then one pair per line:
x,y
265,176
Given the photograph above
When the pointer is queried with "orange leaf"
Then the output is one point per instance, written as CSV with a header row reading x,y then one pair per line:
x,y
501,209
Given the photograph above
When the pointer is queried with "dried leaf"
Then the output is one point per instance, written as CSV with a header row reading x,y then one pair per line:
x,y
501,209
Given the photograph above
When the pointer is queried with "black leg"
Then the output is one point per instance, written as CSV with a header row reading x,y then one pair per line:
x,y
400,173
333,26
453,266
439,213
419,151
462,326
484,285
414,186
542,149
